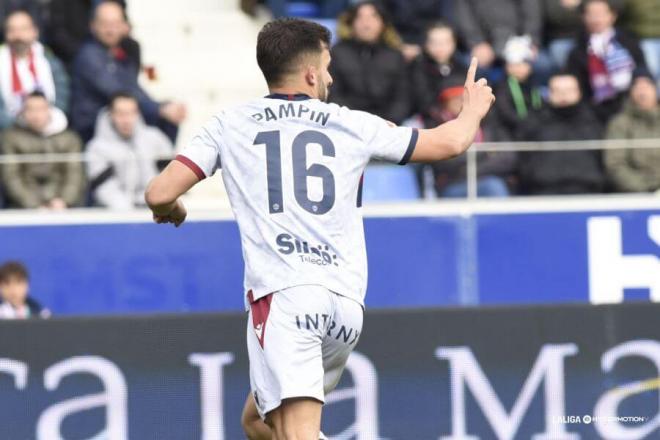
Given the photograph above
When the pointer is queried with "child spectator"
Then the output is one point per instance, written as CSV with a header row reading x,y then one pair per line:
x,y
566,118
103,68
123,154
604,58
636,170
15,303
27,66
368,70
494,168
41,129
517,97
433,69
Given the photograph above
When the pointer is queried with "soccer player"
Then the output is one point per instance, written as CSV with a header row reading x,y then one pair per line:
x,y
292,165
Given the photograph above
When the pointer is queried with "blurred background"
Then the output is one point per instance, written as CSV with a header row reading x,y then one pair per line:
x,y
533,258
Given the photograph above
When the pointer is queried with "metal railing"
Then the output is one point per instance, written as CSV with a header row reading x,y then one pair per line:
x,y
518,147
472,171
69,157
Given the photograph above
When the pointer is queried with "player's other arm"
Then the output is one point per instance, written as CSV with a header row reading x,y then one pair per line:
x,y
162,194
455,137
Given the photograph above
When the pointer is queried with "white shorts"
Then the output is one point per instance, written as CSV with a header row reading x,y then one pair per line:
x,y
298,342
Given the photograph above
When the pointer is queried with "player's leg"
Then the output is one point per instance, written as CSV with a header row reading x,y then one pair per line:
x,y
296,419
340,339
255,428
285,336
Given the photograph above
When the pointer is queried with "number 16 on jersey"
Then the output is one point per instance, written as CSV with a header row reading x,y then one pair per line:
x,y
301,171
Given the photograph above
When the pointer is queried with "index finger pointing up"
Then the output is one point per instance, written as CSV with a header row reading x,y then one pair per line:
x,y
472,72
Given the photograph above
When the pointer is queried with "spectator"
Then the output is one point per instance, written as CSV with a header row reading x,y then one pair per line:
x,y
368,71
412,17
486,26
41,129
518,96
642,17
636,170
566,118
33,7
494,168
102,68
123,154
15,303
604,58
69,28
562,26
563,23
433,69
25,66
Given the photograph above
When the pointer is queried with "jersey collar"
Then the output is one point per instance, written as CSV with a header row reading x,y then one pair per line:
x,y
296,97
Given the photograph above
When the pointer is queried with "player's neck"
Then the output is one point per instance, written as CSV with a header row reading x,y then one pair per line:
x,y
292,91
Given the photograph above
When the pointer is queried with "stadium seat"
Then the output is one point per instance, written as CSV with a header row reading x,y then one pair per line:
x,y
303,9
199,49
389,183
331,24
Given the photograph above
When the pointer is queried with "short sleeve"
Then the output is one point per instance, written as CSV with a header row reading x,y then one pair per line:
x,y
202,154
387,142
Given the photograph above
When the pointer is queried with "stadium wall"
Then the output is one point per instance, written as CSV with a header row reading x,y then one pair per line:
x,y
526,251
543,372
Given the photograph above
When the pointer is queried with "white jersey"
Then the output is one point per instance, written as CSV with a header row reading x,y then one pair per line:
x,y
293,168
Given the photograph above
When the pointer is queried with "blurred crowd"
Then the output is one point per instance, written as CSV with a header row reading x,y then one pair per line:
x,y
563,70
69,85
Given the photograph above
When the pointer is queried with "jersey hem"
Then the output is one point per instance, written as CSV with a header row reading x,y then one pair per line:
x,y
256,296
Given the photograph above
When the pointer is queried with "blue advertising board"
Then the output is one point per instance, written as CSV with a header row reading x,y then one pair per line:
x,y
546,372
550,257
419,255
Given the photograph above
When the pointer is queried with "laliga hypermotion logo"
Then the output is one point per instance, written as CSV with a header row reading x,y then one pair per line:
x,y
321,255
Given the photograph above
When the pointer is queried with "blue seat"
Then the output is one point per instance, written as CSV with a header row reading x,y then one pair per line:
x,y
329,23
389,183
303,9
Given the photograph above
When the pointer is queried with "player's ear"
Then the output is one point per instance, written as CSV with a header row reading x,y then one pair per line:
x,y
311,76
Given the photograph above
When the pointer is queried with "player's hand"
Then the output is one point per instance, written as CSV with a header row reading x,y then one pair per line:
x,y
176,216
478,97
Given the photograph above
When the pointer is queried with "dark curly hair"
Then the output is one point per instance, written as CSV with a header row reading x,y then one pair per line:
x,y
282,43
13,269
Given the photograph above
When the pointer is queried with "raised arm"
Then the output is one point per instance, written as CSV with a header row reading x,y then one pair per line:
x,y
455,137
163,192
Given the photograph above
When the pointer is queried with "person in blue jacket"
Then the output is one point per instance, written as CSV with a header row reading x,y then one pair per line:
x,y
102,68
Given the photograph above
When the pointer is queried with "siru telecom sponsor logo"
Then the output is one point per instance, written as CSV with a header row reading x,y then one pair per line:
x,y
320,255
